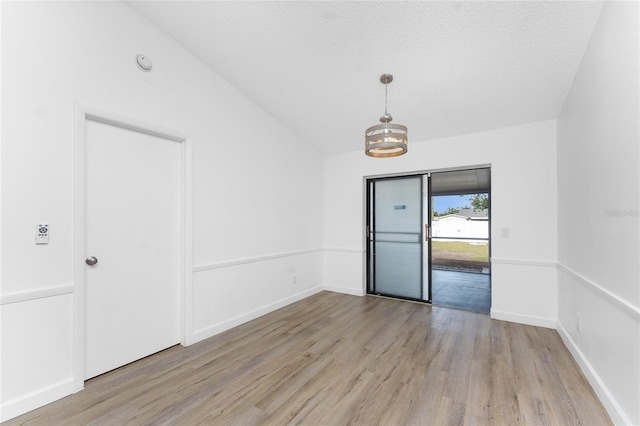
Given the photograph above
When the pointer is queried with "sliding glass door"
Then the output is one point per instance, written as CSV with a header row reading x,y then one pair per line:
x,y
428,238
395,238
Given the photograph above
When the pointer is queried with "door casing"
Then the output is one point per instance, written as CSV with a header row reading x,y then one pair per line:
x,y
82,114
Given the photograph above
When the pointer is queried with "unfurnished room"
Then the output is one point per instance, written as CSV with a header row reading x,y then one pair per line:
x,y
320,212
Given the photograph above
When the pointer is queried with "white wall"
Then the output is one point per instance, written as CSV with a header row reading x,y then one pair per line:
x,y
259,222
257,218
598,194
523,183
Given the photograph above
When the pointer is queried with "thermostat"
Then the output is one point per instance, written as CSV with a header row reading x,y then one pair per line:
x,y
42,233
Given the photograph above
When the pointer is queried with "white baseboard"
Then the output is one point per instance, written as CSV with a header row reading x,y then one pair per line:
x,y
613,409
36,399
214,329
345,290
523,319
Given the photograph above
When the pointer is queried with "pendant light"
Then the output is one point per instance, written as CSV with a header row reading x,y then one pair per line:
x,y
386,139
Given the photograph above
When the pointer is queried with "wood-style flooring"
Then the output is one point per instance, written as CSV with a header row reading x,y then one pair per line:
x,y
334,359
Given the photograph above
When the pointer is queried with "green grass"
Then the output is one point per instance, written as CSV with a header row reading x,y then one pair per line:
x,y
460,250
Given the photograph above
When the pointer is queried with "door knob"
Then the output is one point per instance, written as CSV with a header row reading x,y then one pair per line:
x,y
91,260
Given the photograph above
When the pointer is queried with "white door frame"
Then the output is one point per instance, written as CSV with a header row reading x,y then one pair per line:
x,y
82,114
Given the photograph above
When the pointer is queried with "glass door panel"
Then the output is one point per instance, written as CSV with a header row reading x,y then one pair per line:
x,y
395,245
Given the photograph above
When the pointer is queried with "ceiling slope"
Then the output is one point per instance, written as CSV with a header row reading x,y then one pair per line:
x,y
459,67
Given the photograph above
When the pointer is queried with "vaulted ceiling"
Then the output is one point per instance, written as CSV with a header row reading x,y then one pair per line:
x,y
458,67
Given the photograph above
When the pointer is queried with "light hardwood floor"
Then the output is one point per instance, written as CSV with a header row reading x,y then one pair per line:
x,y
335,359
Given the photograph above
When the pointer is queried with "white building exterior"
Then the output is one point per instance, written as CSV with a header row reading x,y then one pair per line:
x,y
467,223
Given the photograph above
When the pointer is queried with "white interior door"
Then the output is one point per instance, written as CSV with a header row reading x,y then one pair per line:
x,y
133,217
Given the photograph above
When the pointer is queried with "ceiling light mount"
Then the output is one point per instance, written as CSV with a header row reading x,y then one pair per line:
x,y
386,78
386,139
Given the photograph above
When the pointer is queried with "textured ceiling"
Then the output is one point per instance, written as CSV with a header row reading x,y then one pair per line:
x,y
458,67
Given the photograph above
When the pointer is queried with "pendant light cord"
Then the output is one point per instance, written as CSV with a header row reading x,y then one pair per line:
x,y
385,99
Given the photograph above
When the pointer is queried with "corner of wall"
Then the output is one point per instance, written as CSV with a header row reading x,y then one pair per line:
x,y
598,134
613,408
